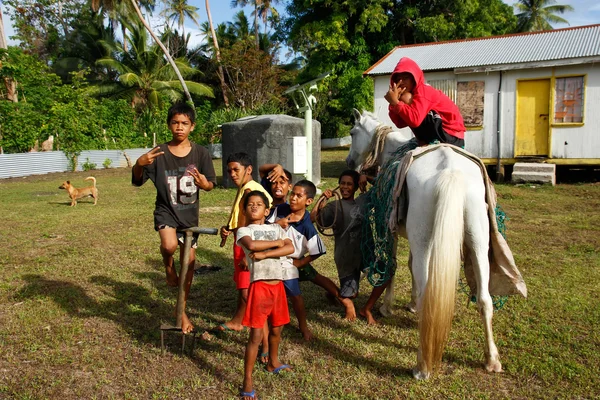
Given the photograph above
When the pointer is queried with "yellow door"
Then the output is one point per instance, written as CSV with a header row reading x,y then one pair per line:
x,y
533,109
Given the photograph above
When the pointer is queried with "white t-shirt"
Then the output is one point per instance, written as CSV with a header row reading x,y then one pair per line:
x,y
281,268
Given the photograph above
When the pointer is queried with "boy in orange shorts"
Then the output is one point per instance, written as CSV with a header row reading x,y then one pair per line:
x,y
239,169
266,247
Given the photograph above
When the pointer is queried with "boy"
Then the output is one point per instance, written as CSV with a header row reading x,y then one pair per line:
x,y
305,237
279,181
266,248
239,168
178,169
429,113
347,231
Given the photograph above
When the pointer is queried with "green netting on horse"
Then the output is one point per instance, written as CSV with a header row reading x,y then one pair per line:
x,y
377,246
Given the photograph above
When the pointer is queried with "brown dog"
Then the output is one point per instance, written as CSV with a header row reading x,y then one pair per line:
x,y
75,193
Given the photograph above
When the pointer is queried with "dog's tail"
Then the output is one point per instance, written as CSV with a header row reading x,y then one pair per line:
x,y
91,178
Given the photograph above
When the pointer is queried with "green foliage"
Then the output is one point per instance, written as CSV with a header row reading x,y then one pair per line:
x,y
107,163
536,15
208,124
347,37
88,165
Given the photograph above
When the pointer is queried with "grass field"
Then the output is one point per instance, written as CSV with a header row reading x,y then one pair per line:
x,y
82,293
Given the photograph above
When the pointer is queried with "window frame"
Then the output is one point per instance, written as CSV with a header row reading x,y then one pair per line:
x,y
553,100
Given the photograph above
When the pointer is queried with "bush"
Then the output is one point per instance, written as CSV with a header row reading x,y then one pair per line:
x,y
88,165
107,163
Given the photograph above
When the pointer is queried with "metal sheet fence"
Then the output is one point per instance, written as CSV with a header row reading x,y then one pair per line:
x,y
25,164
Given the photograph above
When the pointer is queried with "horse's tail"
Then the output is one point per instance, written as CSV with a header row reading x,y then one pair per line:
x,y
437,307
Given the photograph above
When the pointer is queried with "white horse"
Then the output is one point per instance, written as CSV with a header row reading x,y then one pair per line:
x,y
447,214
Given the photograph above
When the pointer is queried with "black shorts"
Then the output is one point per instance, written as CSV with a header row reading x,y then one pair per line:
x,y
181,235
431,131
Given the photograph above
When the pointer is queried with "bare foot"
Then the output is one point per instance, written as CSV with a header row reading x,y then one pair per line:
x,y
229,326
368,316
276,369
172,279
186,324
350,310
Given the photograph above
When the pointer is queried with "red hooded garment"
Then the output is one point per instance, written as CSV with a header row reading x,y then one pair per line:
x,y
424,99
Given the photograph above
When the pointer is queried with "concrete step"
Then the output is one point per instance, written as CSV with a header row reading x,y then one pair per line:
x,y
533,177
534,167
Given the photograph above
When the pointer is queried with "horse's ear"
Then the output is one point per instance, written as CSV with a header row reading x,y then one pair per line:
x,y
356,114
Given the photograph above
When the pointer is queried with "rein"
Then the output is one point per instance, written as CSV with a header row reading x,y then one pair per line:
x,y
320,204
375,148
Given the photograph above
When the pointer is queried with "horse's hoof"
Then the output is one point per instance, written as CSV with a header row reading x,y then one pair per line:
x,y
493,366
386,311
411,307
420,375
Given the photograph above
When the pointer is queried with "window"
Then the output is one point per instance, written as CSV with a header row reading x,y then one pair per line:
x,y
568,100
470,102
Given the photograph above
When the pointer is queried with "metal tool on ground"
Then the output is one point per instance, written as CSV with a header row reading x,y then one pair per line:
x,y
187,247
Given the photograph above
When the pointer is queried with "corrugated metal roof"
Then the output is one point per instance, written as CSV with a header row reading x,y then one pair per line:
x,y
558,44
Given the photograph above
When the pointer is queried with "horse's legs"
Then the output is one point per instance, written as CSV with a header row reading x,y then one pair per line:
x,y
387,308
412,306
477,240
419,263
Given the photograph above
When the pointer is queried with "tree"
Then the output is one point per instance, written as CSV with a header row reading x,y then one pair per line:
x,y
264,9
252,77
256,3
9,82
330,34
178,10
536,15
217,56
143,75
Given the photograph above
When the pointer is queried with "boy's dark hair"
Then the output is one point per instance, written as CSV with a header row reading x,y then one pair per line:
x,y
288,175
242,158
352,174
256,193
309,188
181,108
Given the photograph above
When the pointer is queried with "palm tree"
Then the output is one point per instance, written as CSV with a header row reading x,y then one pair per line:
x,y
178,10
266,8
256,3
536,15
112,4
218,56
143,74
240,26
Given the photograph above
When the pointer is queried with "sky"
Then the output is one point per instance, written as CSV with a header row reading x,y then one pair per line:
x,y
587,12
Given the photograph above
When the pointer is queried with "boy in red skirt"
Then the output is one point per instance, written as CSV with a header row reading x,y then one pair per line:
x,y
266,248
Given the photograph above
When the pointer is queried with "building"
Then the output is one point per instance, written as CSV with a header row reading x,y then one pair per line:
x,y
527,96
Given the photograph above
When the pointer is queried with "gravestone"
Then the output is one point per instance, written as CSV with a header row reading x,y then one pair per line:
x,y
265,139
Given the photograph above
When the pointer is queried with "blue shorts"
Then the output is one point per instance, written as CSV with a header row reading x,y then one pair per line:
x,y
292,287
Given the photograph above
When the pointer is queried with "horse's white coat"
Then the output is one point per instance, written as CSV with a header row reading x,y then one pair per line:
x,y
447,213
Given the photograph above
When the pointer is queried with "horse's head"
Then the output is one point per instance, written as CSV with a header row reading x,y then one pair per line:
x,y
364,128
